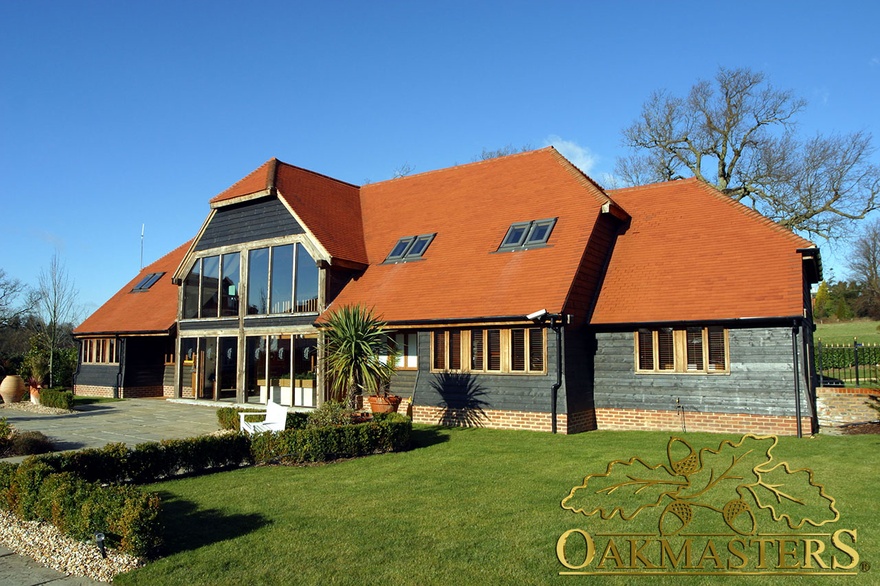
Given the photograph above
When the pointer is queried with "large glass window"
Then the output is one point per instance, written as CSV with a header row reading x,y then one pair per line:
x,y
229,285
191,292
306,281
210,285
258,281
282,279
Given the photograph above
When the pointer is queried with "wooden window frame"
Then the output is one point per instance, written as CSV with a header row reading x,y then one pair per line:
x,y
679,348
99,351
468,360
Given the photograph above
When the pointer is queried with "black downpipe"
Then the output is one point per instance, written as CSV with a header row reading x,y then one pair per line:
x,y
120,350
556,324
797,379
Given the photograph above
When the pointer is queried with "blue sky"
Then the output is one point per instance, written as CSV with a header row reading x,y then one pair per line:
x,y
115,115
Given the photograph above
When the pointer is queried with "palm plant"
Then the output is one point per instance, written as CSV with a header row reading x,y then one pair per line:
x,y
355,342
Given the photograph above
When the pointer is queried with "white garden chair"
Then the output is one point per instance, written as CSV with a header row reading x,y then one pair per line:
x,y
275,420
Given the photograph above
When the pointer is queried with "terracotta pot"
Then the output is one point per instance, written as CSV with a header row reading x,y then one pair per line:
x,y
12,389
386,404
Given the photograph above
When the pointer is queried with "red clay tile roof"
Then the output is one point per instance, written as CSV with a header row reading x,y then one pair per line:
x,y
693,254
329,208
470,208
151,311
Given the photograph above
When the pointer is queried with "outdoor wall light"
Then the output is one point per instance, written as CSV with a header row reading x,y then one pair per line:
x,y
99,541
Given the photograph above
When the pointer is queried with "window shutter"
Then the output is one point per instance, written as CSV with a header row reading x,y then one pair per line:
x,y
493,341
646,350
455,350
665,350
536,349
518,350
694,342
477,350
440,350
717,360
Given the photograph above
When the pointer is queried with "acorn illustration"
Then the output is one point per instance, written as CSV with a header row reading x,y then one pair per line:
x,y
675,517
739,517
687,465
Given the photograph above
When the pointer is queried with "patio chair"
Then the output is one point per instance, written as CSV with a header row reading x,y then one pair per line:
x,y
275,420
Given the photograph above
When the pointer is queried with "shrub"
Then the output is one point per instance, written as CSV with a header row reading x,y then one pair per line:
x,y
57,397
330,413
321,444
5,435
26,443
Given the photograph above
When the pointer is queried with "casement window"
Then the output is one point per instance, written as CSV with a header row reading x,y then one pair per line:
x,y
407,347
410,248
489,350
682,350
99,351
524,235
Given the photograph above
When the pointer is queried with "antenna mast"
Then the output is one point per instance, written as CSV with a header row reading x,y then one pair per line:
x,y
142,246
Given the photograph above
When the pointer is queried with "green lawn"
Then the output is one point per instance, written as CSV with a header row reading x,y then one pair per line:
x,y
79,400
465,506
844,332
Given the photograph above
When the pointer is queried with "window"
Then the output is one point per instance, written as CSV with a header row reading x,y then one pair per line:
x,y
524,235
147,282
693,349
489,350
99,351
407,348
410,248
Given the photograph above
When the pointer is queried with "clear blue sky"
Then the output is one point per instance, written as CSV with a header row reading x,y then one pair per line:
x,y
117,114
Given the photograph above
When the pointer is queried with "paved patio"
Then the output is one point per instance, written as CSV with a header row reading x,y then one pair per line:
x,y
132,422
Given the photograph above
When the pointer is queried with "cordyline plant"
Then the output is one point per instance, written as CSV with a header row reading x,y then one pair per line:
x,y
355,343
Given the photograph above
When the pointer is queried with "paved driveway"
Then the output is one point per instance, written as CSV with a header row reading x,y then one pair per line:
x,y
132,422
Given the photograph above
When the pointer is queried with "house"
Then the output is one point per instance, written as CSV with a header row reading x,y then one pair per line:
x,y
520,293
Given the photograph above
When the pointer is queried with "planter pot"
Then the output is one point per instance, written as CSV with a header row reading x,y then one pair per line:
x,y
12,389
387,404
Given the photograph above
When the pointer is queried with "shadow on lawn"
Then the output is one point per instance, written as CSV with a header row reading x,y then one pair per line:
x,y
188,528
424,437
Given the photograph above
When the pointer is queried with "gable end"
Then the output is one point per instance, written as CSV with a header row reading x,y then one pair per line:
x,y
255,220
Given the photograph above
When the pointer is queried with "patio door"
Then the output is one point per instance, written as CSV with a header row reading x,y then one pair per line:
x,y
206,369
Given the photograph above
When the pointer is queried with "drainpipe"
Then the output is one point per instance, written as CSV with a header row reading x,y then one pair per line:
x,y
797,378
120,349
556,323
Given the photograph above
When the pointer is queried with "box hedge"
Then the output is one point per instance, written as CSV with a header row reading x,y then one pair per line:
x,y
57,397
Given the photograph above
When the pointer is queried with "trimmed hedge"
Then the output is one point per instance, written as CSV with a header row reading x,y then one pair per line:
x,y
152,461
228,418
388,433
57,397
128,517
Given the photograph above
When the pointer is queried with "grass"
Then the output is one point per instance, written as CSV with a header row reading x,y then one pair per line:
x,y
844,332
79,400
464,506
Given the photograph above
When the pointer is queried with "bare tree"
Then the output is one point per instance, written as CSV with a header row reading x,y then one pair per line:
x,y
16,299
508,149
864,266
403,170
58,303
738,134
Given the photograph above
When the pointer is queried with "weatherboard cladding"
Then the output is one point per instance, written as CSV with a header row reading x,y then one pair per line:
x,y
97,375
761,379
262,219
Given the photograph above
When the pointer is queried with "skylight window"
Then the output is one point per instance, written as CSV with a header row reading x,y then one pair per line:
x,y
147,282
410,248
523,235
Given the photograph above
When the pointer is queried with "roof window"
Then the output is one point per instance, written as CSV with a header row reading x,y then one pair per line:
x,y
524,235
410,248
147,282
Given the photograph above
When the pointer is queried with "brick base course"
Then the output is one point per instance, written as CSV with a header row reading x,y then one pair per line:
x,y
840,406
650,420
498,419
124,392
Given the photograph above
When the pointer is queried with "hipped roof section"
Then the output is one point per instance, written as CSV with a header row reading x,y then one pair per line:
x,y
692,253
461,276
153,311
329,209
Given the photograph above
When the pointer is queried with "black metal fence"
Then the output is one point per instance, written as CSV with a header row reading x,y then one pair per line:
x,y
848,365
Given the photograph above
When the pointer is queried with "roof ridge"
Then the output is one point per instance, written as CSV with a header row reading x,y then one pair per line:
x,y
315,173
656,184
582,177
471,164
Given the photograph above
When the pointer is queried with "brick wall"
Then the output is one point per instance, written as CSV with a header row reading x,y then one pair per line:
x,y
124,393
93,391
645,420
499,419
839,406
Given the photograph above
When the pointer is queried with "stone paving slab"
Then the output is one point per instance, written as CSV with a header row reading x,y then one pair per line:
x,y
132,422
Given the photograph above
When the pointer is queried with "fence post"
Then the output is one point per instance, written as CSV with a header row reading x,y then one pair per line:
x,y
856,359
819,362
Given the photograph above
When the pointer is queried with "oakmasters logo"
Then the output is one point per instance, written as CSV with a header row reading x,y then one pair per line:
x,y
735,510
